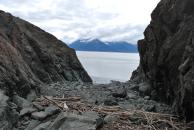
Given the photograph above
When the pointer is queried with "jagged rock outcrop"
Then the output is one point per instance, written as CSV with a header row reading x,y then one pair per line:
x,y
30,56
167,55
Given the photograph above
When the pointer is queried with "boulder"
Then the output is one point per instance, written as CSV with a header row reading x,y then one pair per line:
x,y
144,88
27,110
72,121
41,115
21,102
121,93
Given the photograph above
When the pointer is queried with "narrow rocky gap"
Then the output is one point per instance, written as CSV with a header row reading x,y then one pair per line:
x,y
52,91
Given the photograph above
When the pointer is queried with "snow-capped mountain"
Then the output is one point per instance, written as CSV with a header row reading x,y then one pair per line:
x,y
98,45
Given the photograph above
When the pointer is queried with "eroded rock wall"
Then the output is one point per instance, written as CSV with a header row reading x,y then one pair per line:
x,y
167,55
30,56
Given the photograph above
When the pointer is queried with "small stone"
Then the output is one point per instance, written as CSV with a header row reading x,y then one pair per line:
x,y
111,118
120,94
51,110
26,123
147,97
134,118
110,102
39,107
39,115
131,95
151,108
28,110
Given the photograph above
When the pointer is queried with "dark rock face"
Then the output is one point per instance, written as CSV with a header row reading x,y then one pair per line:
x,y
167,54
30,56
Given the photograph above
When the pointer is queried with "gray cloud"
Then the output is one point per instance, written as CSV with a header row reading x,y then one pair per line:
x,y
73,19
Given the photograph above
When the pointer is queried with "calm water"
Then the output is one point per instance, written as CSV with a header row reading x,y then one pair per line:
x,y
106,66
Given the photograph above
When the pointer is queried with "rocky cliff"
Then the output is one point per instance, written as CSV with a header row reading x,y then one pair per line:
x,y
167,55
30,56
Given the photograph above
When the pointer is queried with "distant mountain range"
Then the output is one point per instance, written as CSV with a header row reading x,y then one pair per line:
x,y
98,45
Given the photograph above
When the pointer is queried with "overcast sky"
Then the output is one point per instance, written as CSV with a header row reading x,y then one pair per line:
x,y
68,20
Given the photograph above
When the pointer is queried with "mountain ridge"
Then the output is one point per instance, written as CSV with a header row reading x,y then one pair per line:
x,y
98,45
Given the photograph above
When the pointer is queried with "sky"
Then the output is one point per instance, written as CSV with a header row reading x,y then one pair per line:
x,y
69,20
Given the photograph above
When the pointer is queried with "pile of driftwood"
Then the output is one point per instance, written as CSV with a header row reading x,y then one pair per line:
x,y
141,120
64,104
128,119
